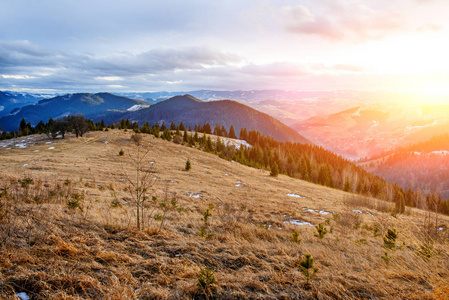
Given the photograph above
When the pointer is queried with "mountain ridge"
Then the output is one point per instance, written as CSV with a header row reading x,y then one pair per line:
x,y
79,103
191,111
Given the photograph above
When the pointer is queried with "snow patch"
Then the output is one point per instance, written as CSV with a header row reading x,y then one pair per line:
x,y
441,152
135,107
357,211
357,113
298,222
21,145
25,165
295,195
192,195
233,142
23,296
410,127
321,212
51,148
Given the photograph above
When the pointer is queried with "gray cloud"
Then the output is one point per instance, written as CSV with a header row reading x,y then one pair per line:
x,y
162,59
41,68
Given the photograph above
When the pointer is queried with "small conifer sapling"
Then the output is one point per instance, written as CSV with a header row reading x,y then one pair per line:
x,y
307,269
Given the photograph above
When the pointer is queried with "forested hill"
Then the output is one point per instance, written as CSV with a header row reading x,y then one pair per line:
x,y
191,111
423,166
90,105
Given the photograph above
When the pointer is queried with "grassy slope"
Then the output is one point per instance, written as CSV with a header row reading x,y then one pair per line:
x,y
53,252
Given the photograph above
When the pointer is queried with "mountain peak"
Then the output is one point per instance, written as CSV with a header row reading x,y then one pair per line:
x,y
186,97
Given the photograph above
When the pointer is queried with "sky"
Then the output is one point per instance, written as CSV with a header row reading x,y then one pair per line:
x,y
137,45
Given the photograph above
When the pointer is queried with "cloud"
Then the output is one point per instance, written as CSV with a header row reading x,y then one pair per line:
x,y
162,59
18,76
342,20
71,71
430,27
23,53
16,56
109,78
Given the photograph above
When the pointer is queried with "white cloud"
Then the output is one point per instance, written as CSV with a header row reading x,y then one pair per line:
x,y
109,78
18,76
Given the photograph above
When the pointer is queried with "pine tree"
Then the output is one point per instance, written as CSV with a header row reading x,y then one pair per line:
x,y
182,126
232,133
399,201
223,131
128,124
207,128
274,169
321,231
23,125
188,165
390,238
243,134
307,269
217,130
347,187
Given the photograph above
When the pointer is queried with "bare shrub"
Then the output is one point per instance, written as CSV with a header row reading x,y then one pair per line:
x,y
349,221
359,201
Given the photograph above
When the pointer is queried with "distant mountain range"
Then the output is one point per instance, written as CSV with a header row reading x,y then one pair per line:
x,y
287,106
10,101
365,131
187,109
90,105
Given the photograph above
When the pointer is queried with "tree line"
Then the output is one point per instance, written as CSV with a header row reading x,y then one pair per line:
x,y
307,162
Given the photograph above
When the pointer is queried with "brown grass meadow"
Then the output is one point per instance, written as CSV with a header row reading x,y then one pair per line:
x,y
68,229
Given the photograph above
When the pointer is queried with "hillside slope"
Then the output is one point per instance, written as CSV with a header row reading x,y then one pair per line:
x,y
191,111
53,249
424,165
87,104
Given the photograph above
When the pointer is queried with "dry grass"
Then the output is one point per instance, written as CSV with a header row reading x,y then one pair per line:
x,y
52,251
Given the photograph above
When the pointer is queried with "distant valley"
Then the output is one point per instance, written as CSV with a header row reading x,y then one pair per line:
x,y
368,130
